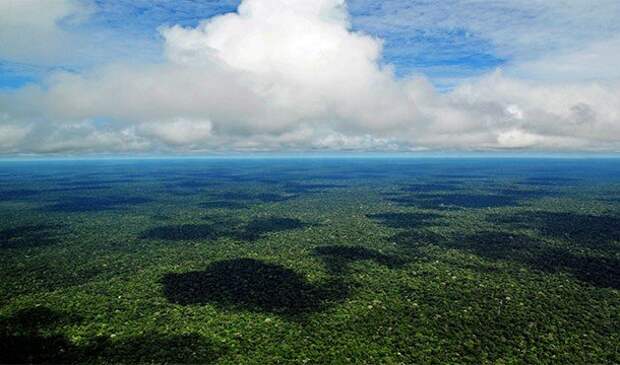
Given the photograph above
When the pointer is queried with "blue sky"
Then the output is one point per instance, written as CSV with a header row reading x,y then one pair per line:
x,y
451,52
207,76
445,40
442,54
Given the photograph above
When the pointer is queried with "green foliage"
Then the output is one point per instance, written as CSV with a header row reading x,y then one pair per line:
x,y
277,261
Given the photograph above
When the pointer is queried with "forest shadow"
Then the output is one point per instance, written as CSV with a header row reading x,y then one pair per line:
x,y
22,340
583,229
599,271
430,187
29,236
249,284
523,194
78,188
80,185
17,194
31,336
35,319
193,184
260,227
91,182
185,187
250,231
337,259
599,268
94,204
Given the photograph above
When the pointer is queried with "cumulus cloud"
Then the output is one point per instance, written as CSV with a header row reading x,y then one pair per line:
x,y
292,75
11,135
178,131
31,31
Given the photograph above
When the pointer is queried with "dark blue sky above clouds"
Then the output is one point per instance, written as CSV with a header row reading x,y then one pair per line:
x,y
196,76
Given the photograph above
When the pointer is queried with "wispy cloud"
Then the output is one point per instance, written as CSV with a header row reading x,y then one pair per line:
x,y
478,35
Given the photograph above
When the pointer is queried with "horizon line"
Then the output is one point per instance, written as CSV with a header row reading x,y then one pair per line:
x,y
316,155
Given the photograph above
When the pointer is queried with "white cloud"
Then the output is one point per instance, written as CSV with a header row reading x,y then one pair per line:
x,y
595,61
178,131
365,142
11,135
31,30
291,75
